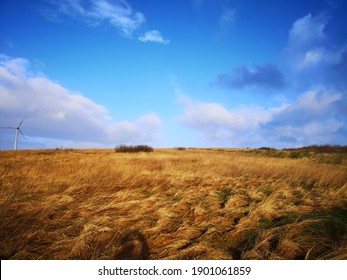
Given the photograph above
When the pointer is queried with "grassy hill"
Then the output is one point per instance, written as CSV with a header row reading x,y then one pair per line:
x,y
174,204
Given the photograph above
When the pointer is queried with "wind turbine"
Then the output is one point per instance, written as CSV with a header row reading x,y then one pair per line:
x,y
17,128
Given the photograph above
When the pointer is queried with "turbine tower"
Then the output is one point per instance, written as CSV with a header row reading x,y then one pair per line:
x,y
17,128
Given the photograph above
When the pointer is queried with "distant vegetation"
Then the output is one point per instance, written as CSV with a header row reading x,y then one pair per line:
x,y
333,154
313,149
133,149
322,149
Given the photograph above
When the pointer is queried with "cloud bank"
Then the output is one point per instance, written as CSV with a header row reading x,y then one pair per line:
x,y
55,112
312,81
311,119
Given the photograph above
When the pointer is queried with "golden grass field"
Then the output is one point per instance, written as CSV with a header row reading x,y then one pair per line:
x,y
173,204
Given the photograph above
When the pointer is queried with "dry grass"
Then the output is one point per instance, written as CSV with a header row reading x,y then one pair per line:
x,y
171,204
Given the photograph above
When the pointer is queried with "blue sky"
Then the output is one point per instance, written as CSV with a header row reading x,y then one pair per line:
x,y
193,73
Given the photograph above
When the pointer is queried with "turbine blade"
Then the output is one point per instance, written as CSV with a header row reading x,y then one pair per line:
x,y
22,133
21,121
9,127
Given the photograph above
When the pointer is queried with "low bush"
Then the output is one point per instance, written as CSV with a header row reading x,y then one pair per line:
x,y
133,149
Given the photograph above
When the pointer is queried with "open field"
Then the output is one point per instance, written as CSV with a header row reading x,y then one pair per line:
x,y
173,204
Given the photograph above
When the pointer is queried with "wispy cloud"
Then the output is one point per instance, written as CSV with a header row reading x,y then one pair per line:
x,y
116,13
227,18
226,12
153,36
197,4
266,76
55,112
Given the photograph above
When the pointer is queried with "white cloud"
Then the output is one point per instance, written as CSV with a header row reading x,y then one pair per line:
x,y
153,36
220,125
150,121
142,130
59,113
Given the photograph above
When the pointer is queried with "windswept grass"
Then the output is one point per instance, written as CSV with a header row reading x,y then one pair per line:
x,y
169,204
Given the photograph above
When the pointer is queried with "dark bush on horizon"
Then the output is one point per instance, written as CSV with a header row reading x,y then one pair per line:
x,y
322,149
133,149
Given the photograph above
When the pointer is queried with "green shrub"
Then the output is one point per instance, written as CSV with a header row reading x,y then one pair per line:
x,y
224,196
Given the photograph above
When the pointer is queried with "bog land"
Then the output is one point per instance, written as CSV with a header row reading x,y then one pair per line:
x,y
174,204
